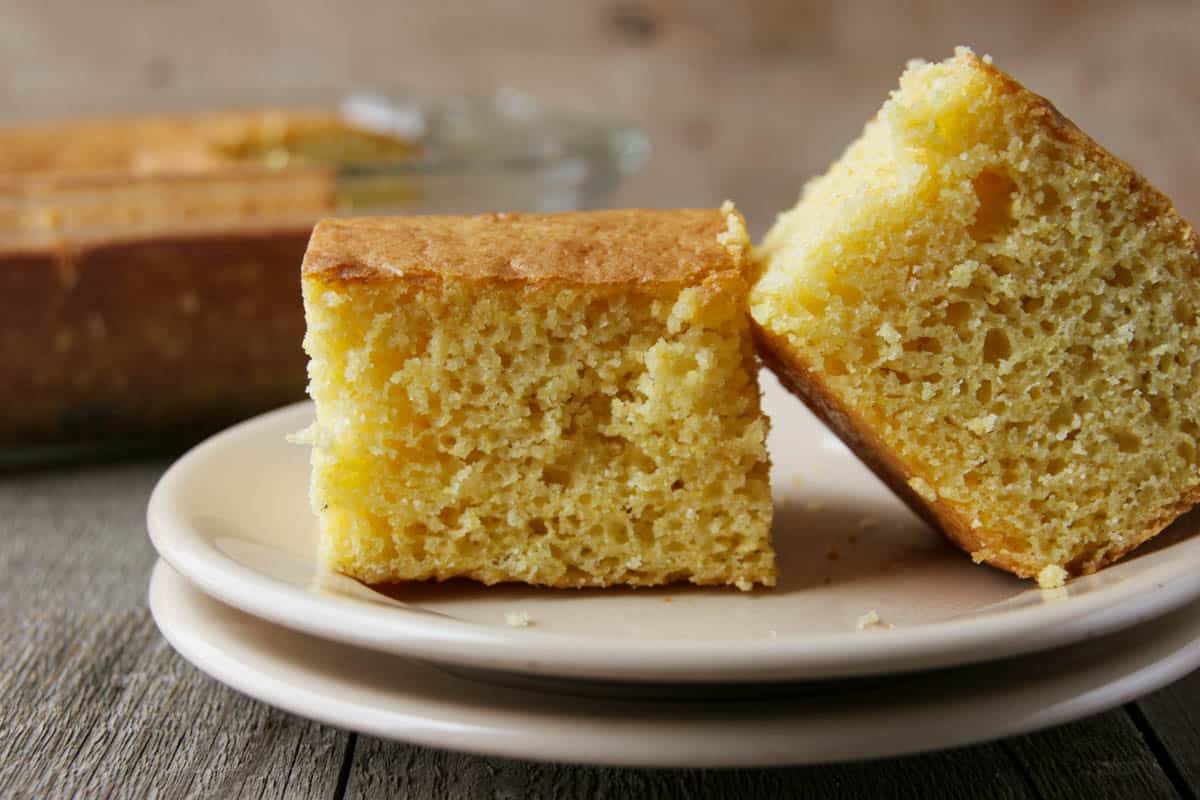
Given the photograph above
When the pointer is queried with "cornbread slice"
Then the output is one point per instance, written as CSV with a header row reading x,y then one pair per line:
x,y
1000,318
567,400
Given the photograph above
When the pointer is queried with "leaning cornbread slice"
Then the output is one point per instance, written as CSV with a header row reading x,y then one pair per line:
x,y
1000,318
567,400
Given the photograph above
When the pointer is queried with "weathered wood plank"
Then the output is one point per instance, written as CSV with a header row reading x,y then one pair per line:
x,y
389,769
1104,756
95,701
75,537
104,707
1173,715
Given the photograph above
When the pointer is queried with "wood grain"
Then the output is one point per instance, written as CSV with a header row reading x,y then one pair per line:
x,y
96,703
1172,717
1104,756
389,769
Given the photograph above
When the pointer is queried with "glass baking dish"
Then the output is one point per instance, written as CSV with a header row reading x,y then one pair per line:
x,y
149,267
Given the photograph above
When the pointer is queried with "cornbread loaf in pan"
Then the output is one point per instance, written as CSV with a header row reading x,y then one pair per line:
x,y
149,264
566,400
148,279
999,317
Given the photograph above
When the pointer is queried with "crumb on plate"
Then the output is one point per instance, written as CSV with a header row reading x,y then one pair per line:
x,y
517,619
871,620
1052,576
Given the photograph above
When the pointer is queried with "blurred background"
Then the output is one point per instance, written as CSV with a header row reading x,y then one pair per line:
x,y
138,305
740,99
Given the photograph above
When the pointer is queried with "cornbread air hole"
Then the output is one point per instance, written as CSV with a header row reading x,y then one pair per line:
x,y
999,317
566,400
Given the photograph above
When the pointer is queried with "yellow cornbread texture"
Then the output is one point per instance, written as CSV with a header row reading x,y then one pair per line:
x,y
999,317
567,400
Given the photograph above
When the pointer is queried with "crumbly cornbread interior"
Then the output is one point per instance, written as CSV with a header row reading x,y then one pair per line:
x,y
544,431
1001,316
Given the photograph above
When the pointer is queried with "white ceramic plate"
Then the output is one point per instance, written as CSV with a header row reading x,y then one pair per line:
x,y
233,517
398,698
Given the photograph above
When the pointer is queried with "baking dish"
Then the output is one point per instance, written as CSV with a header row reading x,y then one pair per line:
x,y
149,266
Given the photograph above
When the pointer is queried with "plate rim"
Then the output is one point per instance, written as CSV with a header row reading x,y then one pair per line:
x,y
464,733
444,639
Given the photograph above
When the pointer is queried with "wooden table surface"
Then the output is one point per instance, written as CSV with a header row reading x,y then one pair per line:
x,y
742,100
95,703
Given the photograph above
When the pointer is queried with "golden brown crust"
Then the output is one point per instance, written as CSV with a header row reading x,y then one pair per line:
x,y
55,212
147,144
492,577
1169,514
625,247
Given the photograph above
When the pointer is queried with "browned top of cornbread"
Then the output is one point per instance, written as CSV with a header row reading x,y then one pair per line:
x,y
66,184
626,246
132,145
180,143
69,214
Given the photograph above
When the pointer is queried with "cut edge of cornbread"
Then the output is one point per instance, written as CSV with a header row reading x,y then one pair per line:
x,y
562,400
875,180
